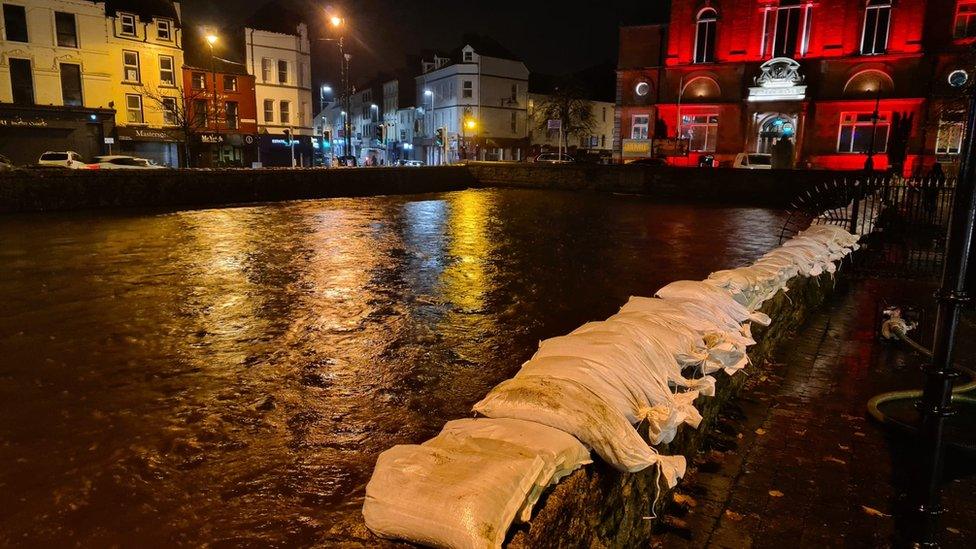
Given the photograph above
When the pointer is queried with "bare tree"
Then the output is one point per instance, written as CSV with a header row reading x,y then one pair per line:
x,y
192,111
567,104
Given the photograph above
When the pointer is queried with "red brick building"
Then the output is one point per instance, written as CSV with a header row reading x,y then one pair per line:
x,y
741,76
223,121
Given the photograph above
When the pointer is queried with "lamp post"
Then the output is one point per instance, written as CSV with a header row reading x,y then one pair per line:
x,y
467,124
429,95
338,22
211,40
875,116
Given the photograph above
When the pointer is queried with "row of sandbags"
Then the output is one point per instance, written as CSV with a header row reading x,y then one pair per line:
x,y
588,390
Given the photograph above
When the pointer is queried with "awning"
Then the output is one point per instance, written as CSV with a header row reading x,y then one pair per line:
x,y
124,134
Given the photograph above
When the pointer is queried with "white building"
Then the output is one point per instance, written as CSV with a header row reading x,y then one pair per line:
x,y
478,96
600,138
399,118
280,63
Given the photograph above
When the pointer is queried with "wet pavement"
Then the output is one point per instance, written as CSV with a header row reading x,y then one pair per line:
x,y
796,461
227,377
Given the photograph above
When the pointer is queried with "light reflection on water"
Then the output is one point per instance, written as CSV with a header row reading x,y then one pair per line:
x,y
228,376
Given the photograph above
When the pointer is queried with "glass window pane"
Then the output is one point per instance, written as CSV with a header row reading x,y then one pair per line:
x,y
71,84
15,22
21,81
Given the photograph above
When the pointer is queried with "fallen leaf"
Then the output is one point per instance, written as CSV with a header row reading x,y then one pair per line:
x,y
740,435
952,530
760,432
835,460
873,512
684,499
732,515
776,493
859,434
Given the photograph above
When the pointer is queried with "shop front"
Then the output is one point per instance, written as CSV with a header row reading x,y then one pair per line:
x,y
279,150
159,145
224,150
26,132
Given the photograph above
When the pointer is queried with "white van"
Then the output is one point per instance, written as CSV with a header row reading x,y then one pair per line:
x,y
753,161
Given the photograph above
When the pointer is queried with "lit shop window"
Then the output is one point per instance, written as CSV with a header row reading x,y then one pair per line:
x,y
877,19
638,129
965,25
856,135
705,36
701,131
949,139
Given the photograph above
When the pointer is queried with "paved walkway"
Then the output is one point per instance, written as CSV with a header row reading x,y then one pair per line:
x,y
796,461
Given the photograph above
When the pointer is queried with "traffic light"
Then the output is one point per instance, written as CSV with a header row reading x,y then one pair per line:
x,y
288,135
327,136
441,137
379,132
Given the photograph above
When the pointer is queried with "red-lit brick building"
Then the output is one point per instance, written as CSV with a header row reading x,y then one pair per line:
x,y
223,121
740,76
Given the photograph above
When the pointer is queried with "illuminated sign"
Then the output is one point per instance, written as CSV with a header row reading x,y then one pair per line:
x,y
779,80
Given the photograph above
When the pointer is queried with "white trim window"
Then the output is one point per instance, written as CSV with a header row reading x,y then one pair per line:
x,y
874,33
783,34
127,23
701,131
284,112
705,35
965,22
949,138
167,72
854,134
164,30
133,108
269,110
467,89
169,111
266,70
282,71
130,66
640,126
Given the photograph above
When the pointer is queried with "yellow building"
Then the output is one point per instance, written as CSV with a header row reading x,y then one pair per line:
x,y
144,42
55,79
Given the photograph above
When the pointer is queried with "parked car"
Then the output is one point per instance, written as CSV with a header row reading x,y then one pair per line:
x,y
649,162
753,161
413,163
555,158
62,159
122,162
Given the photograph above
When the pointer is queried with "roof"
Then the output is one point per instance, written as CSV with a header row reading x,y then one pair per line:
x,y
147,10
484,45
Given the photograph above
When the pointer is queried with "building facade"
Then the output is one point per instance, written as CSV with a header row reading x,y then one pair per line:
x,y
145,54
597,142
830,82
222,109
478,97
56,80
280,65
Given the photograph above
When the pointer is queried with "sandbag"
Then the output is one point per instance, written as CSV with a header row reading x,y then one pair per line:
x,y
448,498
715,297
569,406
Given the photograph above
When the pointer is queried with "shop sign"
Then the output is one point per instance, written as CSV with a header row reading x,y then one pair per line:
x,y
636,148
21,123
211,138
144,134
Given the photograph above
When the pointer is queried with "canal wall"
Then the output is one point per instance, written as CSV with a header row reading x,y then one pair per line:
x,y
598,506
769,188
59,190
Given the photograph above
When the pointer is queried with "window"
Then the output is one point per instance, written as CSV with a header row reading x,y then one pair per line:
x,y
71,84
514,92
198,81
265,70
282,71
965,26
705,36
301,75
855,134
468,56
230,110
169,111
284,112
874,37
66,29
302,109
467,89
787,30
200,113
167,75
130,63
269,110
514,122
15,22
164,30
133,108
949,138
701,131
230,83
21,81
128,24
638,129
604,114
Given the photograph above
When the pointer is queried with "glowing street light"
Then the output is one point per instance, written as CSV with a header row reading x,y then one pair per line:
x,y
428,93
212,39
470,124
335,20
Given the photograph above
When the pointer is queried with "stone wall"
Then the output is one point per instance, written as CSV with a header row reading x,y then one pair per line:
x,y
770,188
50,190
598,506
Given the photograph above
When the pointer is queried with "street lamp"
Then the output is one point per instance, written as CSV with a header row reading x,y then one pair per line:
x,y
468,123
338,22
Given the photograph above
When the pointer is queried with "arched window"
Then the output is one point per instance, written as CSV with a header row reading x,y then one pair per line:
x,y
705,36
877,19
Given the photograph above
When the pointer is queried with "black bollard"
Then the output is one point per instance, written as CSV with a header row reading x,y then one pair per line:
x,y
935,405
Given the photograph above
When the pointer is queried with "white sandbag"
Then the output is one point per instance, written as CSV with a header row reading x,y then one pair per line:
x,y
571,407
715,297
561,452
447,498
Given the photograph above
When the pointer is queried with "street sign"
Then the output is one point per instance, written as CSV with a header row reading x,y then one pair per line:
x,y
109,140
555,124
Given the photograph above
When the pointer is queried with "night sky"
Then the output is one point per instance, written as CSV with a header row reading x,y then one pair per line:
x,y
551,37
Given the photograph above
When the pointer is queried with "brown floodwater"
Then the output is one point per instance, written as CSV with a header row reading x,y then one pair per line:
x,y
228,376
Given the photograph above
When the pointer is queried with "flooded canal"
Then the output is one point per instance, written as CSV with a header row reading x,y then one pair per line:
x,y
228,376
